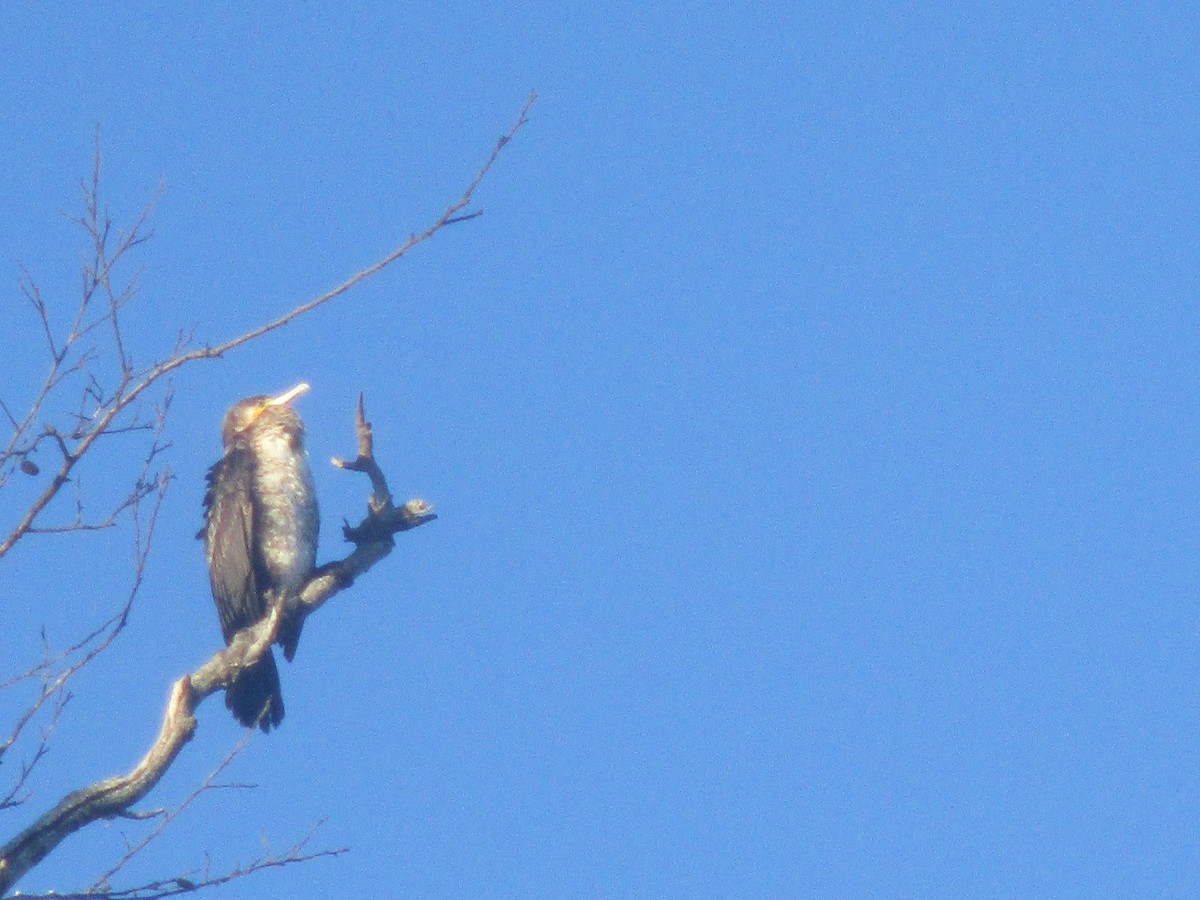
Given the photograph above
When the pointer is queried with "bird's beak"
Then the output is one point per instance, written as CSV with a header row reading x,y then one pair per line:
x,y
288,396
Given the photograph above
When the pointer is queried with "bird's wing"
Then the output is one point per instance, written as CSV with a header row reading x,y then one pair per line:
x,y
233,568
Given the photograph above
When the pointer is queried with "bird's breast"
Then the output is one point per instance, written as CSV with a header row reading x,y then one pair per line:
x,y
287,515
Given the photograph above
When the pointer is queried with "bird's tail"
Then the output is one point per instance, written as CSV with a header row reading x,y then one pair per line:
x,y
255,697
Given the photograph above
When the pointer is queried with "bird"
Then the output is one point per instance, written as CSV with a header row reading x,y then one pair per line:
x,y
261,522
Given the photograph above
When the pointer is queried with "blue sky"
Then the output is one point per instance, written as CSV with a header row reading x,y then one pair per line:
x,y
811,420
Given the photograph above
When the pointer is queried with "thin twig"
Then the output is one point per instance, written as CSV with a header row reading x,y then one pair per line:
x,y
166,817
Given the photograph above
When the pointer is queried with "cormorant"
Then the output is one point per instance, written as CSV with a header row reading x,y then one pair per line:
x,y
260,538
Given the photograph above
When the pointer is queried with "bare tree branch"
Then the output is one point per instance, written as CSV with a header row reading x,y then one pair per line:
x,y
95,643
194,881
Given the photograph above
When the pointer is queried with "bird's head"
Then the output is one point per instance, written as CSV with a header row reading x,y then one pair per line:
x,y
245,413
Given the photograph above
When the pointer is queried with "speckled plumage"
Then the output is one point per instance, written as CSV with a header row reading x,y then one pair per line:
x,y
260,538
